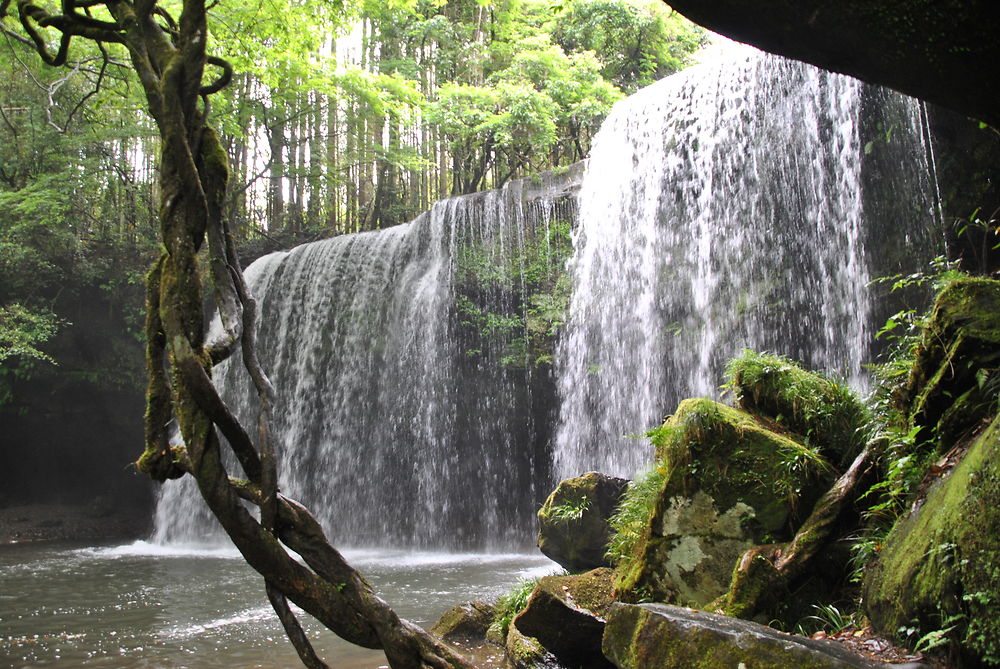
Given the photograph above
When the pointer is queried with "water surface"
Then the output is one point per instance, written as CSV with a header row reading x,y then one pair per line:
x,y
144,605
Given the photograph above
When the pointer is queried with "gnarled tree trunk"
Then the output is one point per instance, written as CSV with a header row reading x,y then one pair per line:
x,y
170,60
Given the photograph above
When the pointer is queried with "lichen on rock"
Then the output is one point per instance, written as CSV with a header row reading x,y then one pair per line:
x,y
730,483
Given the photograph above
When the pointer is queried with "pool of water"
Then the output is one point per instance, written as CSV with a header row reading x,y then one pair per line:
x,y
144,605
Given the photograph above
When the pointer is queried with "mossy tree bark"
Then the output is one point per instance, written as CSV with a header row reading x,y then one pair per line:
x,y
169,56
943,51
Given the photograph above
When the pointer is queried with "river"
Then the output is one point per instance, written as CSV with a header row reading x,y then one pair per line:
x,y
144,605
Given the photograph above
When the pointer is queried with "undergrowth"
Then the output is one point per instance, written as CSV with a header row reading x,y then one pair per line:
x,y
901,459
630,518
511,603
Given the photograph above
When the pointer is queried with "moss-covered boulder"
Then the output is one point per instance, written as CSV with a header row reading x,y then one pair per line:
x,y
524,652
953,383
653,635
565,614
573,525
827,413
940,567
465,621
730,484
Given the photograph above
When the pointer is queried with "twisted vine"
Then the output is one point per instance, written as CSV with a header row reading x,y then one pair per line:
x,y
169,57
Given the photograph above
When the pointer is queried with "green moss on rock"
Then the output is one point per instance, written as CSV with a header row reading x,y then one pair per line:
x,y
952,386
565,614
573,524
653,635
592,590
826,412
524,652
464,621
941,564
730,483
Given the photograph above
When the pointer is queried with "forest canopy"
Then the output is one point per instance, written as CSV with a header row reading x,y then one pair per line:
x,y
340,117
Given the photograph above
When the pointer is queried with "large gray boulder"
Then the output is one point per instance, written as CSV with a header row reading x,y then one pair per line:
x,y
573,527
647,636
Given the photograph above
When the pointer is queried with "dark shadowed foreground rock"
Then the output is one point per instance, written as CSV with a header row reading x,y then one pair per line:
x,y
573,525
644,636
465,621
565,613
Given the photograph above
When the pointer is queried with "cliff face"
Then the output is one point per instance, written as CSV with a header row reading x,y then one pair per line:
x,y
940,51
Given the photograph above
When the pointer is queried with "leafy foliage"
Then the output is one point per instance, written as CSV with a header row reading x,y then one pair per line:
x,y
902,460
571,509
629,521
23,330
514,293
828,618
637,44
511,603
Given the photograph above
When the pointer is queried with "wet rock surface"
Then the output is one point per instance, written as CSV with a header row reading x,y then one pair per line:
x,y
564,614
732,484
640,636
465,621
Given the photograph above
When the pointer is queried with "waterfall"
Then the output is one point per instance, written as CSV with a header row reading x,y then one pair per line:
x,y
408,411
732,205
744,203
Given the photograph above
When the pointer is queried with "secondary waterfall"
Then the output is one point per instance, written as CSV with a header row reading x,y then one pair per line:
x,y
744,203
409,412
728,207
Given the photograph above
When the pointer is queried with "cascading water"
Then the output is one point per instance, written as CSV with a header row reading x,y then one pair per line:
x,y
732,205
406,413
722,208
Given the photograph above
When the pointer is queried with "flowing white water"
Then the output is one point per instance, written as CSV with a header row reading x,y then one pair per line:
x,y
722,208
742,203
397,422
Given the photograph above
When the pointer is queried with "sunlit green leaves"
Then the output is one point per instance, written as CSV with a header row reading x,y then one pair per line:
x,y
24,330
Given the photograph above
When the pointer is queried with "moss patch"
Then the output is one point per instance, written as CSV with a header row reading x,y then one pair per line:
x,y
729,484
524,652
652,635
941,564
573,524
827,413
592,590
464,621
952,386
